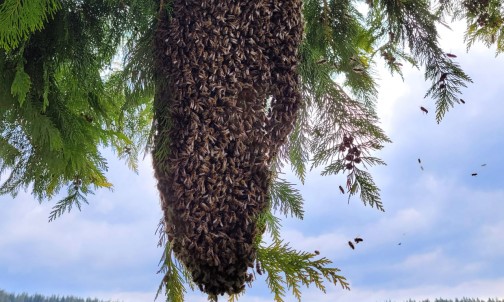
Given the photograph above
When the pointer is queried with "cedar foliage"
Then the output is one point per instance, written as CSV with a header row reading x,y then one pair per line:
x,y
61,103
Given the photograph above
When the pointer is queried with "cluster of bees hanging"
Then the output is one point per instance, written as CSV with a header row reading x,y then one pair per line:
x,y
228,95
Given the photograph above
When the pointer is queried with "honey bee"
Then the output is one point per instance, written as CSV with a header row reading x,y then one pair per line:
x,y
317,252
391,36
450,55
424,110
474,174
342,190
419,161
462,101
358,239
443,77
258,268
322,61
351,245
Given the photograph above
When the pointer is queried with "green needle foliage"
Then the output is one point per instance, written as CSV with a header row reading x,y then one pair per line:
x,y
77,77
20,19
58,106
289,268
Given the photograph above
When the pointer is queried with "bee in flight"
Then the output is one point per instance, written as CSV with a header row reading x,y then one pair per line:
x,y
424,110
351,245
342,190
358,239
450,55
474,174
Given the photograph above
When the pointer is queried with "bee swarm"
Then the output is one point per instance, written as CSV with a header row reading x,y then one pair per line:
x,y
221,62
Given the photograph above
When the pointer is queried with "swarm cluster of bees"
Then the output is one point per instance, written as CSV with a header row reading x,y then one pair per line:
x,y
224,63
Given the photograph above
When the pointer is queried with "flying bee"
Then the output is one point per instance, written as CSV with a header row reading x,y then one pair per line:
x,y
317,252
462,101
342,190
351,245
419,161
358,239
474,174
483,165
424,110
450,55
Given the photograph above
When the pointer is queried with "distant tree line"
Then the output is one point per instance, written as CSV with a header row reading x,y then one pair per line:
x,y
24,297
456,300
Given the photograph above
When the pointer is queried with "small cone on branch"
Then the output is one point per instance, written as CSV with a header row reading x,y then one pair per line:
x,y
214,142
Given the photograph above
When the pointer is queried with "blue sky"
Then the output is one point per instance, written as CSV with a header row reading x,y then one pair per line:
x,y
450,224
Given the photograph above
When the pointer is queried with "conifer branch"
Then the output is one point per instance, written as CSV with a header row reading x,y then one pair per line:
x,y
285,198
74,198
19,19
289,269
413,23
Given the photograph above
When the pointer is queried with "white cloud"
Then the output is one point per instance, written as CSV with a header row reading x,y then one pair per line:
x,y
435,264
478,288
490,240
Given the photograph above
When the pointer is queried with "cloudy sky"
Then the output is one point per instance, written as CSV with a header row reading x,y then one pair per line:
x,y
450,225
